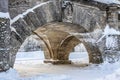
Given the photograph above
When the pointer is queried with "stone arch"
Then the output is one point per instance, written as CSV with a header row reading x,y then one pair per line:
x,y
22,27
66,47
71,41
61,43
53,39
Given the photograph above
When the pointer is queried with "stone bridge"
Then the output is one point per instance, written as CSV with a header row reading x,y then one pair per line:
x,y
61,25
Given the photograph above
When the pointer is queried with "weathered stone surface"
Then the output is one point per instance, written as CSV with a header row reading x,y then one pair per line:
x,y
93,3
59,43
112,16
4,44
3,5
58,61
47,13
34,20
18,35
29,22
94,53
20,6
66,46
22,29
41,15
57,7
119,42
15,44
89,17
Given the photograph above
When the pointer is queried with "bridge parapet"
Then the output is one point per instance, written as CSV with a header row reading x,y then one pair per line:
x,y
89,17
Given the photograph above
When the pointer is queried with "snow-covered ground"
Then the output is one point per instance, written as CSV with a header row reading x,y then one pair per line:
x,y
113,76
30,66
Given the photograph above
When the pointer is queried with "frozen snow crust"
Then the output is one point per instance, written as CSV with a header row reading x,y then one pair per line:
x,y
13,74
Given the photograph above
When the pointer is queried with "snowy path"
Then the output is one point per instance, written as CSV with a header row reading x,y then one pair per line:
x,y
30,68
74,72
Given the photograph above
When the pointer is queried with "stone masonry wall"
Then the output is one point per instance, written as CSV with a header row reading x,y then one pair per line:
x,y
3,5
88,17
19,6
24,27
4,36
12,36
4,43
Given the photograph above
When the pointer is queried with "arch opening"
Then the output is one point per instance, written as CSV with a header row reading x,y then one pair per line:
x,y
58,43
30,52
79,55
69,44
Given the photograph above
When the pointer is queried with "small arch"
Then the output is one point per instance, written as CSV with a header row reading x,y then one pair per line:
x,y
70,42
28,56
66,47
79,55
